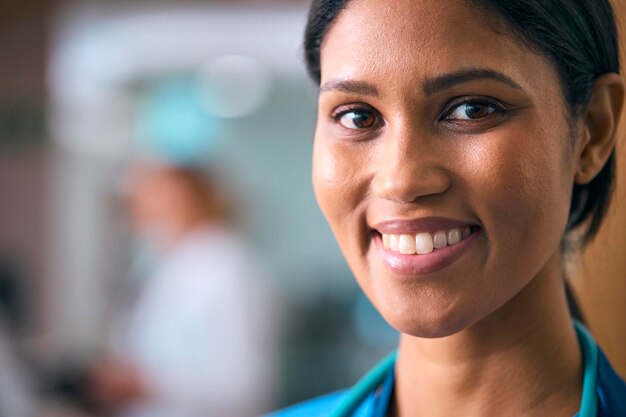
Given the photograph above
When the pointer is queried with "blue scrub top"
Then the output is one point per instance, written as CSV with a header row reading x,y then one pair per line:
x,y
611,395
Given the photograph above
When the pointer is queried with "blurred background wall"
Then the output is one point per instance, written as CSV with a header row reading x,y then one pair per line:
x,y
75,83
23,161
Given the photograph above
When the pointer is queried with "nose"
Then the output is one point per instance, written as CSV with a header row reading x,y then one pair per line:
x,y
408,167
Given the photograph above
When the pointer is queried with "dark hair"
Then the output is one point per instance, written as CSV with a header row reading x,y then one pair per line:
x,y
579,37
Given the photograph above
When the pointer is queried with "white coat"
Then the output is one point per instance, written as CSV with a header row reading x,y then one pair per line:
x,y
201,332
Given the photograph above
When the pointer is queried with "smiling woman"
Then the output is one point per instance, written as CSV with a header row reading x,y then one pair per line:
x,y
460,146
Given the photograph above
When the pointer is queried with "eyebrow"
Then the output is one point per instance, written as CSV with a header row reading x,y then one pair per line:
x,y
429,86
350,86
445,81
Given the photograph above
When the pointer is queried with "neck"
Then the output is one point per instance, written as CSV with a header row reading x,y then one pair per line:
x,y
524,359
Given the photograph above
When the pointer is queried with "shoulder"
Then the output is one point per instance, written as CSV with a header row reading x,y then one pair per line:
x,y
317,407
611,390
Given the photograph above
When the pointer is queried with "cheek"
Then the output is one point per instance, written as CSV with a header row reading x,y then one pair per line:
x,y
340,182
522,182
337,181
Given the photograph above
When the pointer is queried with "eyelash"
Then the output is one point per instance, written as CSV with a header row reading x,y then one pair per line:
x,y
340,112
496,107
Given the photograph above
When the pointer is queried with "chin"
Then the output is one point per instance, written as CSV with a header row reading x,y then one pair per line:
x,y
426,320
430,329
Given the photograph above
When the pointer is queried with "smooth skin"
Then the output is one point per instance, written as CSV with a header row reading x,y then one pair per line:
x,y
427,110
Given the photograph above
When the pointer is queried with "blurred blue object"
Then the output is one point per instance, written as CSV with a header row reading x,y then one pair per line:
x,y
173,125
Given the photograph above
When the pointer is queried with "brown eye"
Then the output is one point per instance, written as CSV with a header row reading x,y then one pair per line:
x,y
357,119
472,111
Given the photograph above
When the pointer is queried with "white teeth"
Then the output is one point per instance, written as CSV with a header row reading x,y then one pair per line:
x,y
394,243
386,241
424,243
440,240
407,245
454,237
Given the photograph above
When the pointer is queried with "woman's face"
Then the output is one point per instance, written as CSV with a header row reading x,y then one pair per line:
x,y
442,135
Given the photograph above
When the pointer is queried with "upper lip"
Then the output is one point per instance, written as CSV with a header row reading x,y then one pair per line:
x,y
419,225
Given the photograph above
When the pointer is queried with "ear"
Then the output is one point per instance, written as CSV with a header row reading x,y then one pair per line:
x,y
600,126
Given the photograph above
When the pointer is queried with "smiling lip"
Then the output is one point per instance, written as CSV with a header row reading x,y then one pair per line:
x,y
426,224
425,264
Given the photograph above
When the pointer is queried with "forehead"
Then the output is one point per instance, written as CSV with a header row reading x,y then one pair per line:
x,y
410,40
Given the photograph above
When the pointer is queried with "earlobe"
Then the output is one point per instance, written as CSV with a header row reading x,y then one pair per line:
x,y
601,121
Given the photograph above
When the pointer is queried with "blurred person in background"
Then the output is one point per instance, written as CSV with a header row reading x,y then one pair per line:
x,y
195,338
